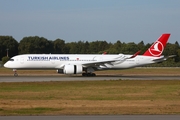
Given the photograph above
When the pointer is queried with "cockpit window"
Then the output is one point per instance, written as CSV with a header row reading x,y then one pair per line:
x,y
11,60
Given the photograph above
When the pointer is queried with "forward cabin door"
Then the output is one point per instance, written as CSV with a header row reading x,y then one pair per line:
x,y
22,60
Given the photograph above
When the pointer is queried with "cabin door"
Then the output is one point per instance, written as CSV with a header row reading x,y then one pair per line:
x,y
22,60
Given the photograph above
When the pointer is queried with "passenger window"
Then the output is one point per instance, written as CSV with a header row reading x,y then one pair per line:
x,y
11,60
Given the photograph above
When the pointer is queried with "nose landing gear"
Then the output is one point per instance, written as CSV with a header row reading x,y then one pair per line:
x,y
15,72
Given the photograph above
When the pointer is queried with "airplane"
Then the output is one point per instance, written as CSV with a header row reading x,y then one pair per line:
x,y
86,64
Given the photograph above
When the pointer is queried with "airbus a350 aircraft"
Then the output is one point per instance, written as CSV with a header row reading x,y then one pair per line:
x,y
86,64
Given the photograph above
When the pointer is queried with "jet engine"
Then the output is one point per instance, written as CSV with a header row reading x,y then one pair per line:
x,y
71,69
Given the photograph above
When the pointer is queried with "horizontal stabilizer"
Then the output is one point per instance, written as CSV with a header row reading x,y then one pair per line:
x,y
164,58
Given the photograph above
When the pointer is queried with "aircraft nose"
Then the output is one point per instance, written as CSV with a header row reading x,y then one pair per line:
x,y
6,65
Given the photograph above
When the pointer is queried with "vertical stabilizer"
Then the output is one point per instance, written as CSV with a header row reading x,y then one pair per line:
x,y
158,46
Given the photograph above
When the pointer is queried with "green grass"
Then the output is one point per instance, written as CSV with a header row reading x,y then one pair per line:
x,y
29,111
91,90
37,98
92,97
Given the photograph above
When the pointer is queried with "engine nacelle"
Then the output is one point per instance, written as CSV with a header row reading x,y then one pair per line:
x,y
71,69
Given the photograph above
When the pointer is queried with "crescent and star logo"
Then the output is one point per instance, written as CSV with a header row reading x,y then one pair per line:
x,y
156,49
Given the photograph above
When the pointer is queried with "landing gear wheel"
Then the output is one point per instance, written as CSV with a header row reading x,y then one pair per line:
x,y
84,74
93,74
15,74
88,74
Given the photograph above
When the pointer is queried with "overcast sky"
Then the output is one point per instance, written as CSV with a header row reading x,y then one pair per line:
x,y
91,20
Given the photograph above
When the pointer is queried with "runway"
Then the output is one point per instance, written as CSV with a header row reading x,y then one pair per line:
x,y
80,78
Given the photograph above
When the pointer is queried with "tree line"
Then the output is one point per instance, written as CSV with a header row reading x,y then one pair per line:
x,y
40,45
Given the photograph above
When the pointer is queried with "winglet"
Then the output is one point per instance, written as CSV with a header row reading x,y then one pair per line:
x,y
158,46
104,53
137,53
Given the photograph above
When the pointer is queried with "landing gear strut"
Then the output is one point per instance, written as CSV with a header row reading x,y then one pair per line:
x,y
88,72
15,73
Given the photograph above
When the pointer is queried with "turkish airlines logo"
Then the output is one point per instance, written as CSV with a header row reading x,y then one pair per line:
x,y
156,49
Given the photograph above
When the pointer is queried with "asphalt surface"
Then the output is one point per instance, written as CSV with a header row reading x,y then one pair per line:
x,y
79,78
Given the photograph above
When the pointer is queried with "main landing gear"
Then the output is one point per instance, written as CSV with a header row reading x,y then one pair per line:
x,y
15,72
88,74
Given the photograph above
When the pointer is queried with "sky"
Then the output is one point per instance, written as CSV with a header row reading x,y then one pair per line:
x,y
91,20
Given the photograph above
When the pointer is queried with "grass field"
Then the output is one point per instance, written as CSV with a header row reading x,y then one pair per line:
x,y
90,97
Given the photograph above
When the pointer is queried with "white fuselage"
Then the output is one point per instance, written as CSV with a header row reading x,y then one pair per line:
x,y
57,61
87,63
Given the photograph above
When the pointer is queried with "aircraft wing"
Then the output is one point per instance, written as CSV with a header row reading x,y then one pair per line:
x,y
98,63
121,58
118,60
94,63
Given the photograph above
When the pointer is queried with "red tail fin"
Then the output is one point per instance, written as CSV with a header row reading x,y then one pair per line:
x,y
158,46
